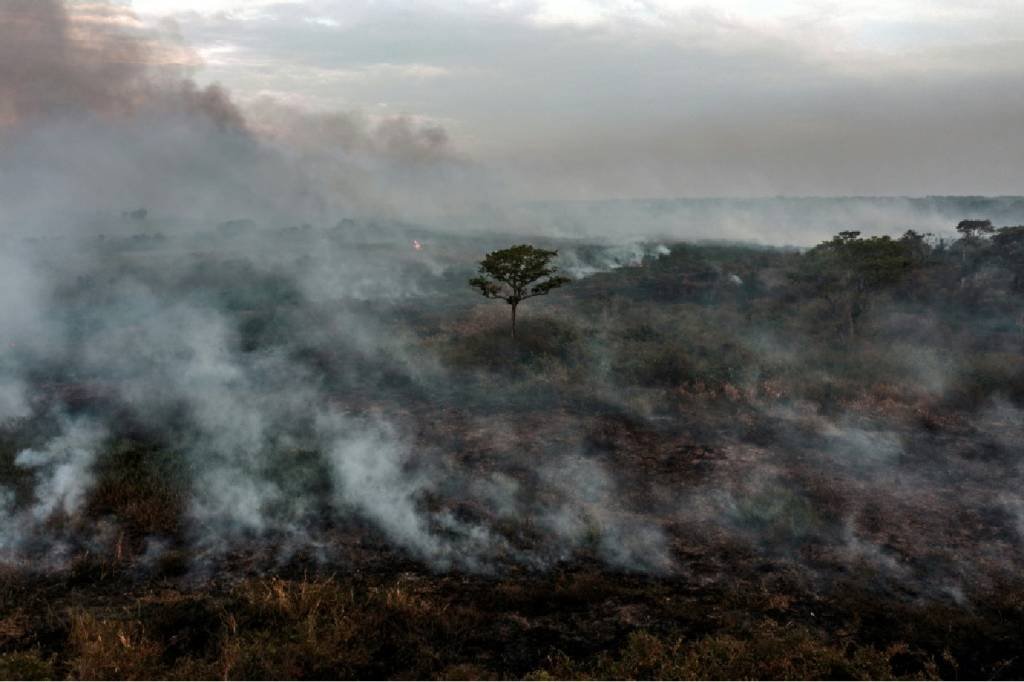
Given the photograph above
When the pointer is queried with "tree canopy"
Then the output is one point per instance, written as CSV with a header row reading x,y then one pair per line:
x,y
848,269
516,274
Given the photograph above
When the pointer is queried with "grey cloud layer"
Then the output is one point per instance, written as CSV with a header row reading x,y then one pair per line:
x,y
707,105
100,114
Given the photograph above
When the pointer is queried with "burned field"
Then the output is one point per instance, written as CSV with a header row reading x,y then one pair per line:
x,y
325,457
291,386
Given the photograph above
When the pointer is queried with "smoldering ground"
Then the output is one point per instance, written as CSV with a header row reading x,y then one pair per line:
x,y
283,414
182,380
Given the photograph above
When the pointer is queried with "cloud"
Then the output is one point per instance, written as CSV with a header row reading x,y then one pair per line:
x,y
589,99
95,59
102,110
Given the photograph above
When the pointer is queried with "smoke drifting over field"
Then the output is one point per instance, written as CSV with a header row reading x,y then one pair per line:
x,y
101,117
233,290
100,114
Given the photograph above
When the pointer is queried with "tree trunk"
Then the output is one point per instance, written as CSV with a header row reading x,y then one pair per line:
x,y
513,321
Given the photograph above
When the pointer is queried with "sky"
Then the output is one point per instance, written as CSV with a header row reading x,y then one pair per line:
x,y
584,99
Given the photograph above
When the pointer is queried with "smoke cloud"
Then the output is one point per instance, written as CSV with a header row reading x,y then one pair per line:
x,y
241,290
103,112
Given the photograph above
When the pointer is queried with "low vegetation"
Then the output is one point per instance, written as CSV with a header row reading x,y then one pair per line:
x,y
561,626
718,461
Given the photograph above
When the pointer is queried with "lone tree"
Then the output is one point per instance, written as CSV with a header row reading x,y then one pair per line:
x,y
972,229
516,274
971,232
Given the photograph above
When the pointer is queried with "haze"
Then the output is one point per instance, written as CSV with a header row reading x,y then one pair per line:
x,y
511,340
589,100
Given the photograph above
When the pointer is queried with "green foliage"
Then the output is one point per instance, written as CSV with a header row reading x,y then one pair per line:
x,y
918,248
980,377
848,271
1008,251
972,229
516,274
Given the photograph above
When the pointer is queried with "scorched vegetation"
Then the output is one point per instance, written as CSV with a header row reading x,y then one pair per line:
x,y
315,453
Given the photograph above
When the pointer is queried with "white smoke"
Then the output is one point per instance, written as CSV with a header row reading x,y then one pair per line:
x,y
63,469
587,513
578,264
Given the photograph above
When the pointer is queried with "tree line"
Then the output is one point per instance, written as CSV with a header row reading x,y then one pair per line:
x,y
848,272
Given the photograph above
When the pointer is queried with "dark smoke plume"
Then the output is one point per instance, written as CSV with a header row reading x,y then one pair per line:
x,y
95,59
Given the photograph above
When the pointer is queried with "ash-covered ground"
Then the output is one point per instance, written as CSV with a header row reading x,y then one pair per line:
x,y
255,423
689,463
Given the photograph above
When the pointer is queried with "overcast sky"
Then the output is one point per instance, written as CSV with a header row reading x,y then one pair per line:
x,y
590,99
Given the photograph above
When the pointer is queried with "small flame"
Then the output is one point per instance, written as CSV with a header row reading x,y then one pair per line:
x,y
416,245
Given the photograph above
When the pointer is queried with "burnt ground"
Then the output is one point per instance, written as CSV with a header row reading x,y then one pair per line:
x,y
785,560
662,477
756,620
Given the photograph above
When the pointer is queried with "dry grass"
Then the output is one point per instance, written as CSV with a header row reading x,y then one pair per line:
x,y
767,651
110,648
572,625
